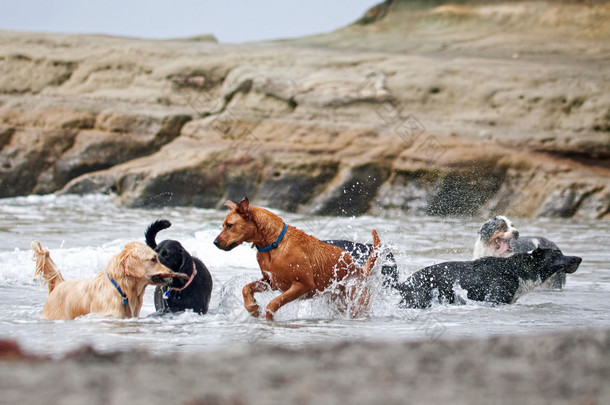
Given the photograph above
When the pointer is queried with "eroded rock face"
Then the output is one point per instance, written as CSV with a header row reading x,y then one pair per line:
x,y
289,187
354,192
566,201
467,128
40,160
28,155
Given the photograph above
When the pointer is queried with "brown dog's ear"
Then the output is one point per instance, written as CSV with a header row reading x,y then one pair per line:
x,y
243,208
230,204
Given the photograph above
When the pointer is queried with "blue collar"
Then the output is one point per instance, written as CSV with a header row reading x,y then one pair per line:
x,y
116,285
274,244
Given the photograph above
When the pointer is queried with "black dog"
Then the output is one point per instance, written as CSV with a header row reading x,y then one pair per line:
x,y
180,295
528,243
492,279
499,238
361,251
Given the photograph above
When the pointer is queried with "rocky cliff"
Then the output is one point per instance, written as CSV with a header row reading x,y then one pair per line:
x,y
419,107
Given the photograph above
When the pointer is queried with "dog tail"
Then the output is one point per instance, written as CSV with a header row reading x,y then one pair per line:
x,y
46,268
370,262
153,229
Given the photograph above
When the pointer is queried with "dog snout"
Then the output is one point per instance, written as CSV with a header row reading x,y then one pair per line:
x,y
573,263
224,245
516,234
158,279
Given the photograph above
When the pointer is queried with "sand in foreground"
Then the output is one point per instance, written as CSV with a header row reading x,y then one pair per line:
x,y
561,368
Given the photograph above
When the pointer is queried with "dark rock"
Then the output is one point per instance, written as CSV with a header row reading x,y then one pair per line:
x,y
28,155
375,13
289,186
409,192
463,192
5,136
355,194
96,183
125,138
565,201
208,184
595,205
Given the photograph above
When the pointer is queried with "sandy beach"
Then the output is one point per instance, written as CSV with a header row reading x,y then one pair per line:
x,y
571,367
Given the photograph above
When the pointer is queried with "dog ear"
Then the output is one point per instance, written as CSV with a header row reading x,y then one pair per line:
x,y
243,208
230,204
538,253
133,268
131,264
186,266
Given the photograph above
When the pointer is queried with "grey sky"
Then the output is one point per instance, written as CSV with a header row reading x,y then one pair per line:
x,y
228,20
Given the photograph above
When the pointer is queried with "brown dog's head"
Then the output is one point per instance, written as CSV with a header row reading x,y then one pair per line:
x,y
140,262
238,226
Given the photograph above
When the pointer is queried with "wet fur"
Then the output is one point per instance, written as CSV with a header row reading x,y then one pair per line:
x,y
361,251
133,269
196,296
502,227
499,228
300,266
492,279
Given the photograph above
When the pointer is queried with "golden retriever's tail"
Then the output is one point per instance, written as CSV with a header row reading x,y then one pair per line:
x,y
370,262
46,268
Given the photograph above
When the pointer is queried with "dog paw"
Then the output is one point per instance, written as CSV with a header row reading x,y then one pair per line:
x,y
253,310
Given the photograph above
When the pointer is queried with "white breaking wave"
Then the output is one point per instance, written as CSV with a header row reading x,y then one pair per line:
x,y
83,233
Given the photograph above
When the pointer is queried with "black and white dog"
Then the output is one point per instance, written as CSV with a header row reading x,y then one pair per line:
x,y
491,279
499,238
361,251
180,295
495,237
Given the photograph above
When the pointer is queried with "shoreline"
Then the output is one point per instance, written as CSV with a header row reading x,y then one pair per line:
x,y
570,367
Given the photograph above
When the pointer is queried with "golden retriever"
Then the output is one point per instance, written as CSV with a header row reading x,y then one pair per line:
x,y
116,291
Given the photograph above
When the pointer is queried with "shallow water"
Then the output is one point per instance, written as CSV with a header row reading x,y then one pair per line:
x,y
82,233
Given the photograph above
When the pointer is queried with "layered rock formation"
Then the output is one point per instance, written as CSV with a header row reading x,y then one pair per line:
x,y
443,110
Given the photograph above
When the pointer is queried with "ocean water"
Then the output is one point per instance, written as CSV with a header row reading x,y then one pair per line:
x,y
83,233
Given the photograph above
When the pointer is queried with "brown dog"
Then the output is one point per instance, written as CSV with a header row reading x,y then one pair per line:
x,y
291,261
117,291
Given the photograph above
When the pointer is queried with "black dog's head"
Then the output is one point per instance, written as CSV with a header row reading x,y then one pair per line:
x,y
170,252
173,255
550,261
